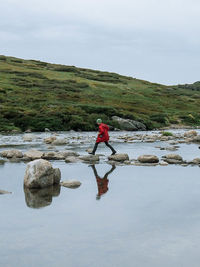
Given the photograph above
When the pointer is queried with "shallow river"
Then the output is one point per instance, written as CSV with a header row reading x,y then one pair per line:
x,y
147,216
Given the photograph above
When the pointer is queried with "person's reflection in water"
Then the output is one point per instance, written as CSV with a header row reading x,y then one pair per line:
x,y
40,198
102,182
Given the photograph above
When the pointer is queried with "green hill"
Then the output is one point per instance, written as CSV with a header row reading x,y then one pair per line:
x,y
38,95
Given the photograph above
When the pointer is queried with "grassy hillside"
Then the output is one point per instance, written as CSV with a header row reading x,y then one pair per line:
x,y
35,95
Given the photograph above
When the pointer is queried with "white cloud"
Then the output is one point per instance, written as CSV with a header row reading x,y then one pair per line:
x,y
126,36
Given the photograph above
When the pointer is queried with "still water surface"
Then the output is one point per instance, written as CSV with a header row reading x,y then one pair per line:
x,y
148,217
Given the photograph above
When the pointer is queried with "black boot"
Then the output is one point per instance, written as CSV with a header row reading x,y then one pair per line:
x,y
94,149
112,149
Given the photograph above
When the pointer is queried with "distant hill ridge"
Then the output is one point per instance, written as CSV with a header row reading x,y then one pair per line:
x,y
37,95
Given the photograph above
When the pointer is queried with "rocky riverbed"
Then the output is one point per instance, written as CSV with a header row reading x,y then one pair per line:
x,y
141,203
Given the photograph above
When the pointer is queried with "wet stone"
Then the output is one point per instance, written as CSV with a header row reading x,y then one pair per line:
x,y
70,184
89,158
148,159
3,192
119,157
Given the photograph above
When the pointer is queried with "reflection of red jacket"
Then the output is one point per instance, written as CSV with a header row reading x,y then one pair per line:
x,y
103,135
102,185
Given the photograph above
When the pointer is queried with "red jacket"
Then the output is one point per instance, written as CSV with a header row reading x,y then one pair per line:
x,y
103,135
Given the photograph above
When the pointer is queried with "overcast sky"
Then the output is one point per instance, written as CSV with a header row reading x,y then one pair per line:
x,y
154,40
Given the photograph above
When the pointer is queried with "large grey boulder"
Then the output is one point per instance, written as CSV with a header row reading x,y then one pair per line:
x,y
71,184
148,159
33,154
11,153
40,173
129,125
119,157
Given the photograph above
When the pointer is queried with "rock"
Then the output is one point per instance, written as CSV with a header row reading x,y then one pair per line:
x,y
150,140
2,192
11,153
39,198
195,161
148,159
50,139
28,131
40,173
67,153
89,150
33,154
144,164
15,160
163,163
119,157
196,139
170,148
53,155
71,184
173,159
28,137
47,130
71,159
129,125
174,156
191,133
59,142
164,138
90,158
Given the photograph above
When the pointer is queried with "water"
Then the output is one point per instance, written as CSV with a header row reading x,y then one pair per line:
x,y
149,216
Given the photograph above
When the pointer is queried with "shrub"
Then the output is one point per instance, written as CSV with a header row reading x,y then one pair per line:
x,y
167,134
2,58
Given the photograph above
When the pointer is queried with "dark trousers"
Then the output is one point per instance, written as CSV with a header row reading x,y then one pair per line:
x,y
107,144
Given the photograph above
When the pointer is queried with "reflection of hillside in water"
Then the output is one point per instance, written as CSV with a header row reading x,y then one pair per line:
x,y
39,198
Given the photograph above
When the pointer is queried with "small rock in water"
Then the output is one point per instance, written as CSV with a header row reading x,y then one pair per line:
x,y
2,192
89,150
11,153
173,156
148,159
33,154
71,184
28,137
59,142
163,163
49,140
191,133
119,157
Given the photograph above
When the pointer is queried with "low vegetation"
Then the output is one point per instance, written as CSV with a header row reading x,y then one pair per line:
x,y
37,95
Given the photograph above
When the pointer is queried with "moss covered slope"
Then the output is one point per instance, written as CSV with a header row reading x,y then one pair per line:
x,y
38,95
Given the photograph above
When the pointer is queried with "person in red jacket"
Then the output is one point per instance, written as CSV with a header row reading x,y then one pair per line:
x,y
103,136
